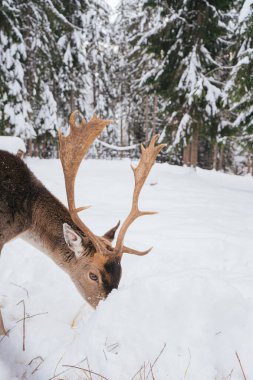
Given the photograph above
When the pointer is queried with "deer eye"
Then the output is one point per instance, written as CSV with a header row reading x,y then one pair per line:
x,y
93,276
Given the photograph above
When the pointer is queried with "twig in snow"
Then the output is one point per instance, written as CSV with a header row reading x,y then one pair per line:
x,y
189,363
245,378
137,373
32,316
112,347
74,321
7,333
105,354
66,370
229,376
23,302
2,328
155,361
57,365
88,364
86,370
22,287
151,371
36,368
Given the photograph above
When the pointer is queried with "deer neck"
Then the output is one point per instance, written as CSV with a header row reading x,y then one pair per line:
x,y
46,231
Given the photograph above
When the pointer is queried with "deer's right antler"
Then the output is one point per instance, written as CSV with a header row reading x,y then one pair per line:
x,y
72,150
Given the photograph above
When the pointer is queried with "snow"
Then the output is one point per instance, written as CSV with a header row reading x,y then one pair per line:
x,y
186,308
12,144
113,3
184,123
245,11
118,148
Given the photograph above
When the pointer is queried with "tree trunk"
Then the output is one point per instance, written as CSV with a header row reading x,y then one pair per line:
x,y
121,132
187,155
215,153
221,157
154,116
72,106
146,119
30,147
94,89
249,165
194,148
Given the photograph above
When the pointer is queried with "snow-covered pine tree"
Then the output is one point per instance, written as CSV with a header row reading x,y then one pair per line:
x,y
38,28
120,76
14,104
188,43
146,107
240,86
72,86
97,49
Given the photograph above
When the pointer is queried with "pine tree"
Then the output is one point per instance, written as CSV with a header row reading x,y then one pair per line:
x,y
72,70
38,28
187,43
240,86
14,104
146,106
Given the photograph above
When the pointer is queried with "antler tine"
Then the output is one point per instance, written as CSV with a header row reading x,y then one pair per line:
x,y
141,172
72,150
134,251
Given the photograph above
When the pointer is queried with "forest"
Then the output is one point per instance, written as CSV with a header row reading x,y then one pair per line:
x,y
182,68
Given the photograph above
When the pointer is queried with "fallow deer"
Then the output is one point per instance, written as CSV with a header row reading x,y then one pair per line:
x,y
29,211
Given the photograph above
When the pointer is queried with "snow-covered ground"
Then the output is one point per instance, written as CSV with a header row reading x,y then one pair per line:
x,y
12,144
181,312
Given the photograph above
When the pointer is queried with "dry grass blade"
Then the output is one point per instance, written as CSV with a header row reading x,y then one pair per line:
x,y
66,370
137,373
239,360
156,360
229,376
151,372
21,287
189,363
85,370
24,318
32,316
37,367
2,328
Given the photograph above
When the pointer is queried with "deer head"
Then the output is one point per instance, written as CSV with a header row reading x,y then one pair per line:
x,y
96,269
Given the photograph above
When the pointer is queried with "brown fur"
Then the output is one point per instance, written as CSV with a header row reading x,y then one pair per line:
x,y
29,210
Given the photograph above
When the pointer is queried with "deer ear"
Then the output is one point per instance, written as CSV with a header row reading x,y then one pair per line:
x,y
109,235
73,240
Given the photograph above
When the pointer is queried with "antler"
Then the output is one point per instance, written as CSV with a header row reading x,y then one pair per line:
x,y
72,150
141,172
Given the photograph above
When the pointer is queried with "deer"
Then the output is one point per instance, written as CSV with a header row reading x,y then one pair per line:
x,y
31,212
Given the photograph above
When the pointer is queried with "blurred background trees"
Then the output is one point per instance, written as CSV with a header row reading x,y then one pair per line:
x,y
180,68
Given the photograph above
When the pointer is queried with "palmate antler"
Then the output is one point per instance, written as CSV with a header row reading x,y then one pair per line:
x,y
141,172
72,150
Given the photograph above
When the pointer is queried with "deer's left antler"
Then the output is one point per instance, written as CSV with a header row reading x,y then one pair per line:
x,y
141,172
